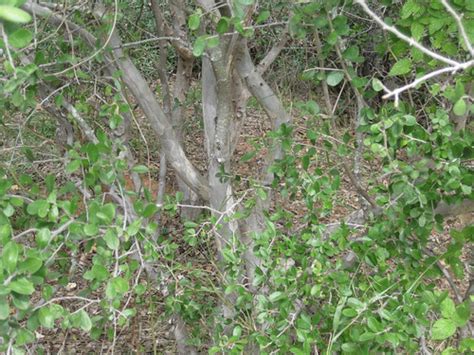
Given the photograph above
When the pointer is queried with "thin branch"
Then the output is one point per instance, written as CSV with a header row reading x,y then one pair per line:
x,y
452,69
454,66
54,233
361,191
274,52
7,48
98,51
462,29
182,47
66,298
322,68
407,39
147,40
88,131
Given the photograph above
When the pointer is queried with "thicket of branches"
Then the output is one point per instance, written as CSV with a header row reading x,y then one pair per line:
x,y
122,171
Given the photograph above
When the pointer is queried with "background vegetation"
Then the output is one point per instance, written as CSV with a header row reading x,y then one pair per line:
x,y
236,176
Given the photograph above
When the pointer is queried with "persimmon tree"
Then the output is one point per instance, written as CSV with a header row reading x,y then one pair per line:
x,y
293,281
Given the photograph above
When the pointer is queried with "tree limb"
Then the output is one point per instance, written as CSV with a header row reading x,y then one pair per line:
x,y
274,52
145,97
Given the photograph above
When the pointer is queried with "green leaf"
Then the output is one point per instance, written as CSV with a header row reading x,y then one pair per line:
x,y
4,308
107,212
377,85
43,237
100,272
467,190
340,25
10,256
442,329
46,317
150,210
463,314
91,230
140,289
73,166
401,67
84,321
179,196
410,8
199,46
20,38
24,336
366,336
351,53
134,227
140,169
22,286
21,302
349,312
417,30
213,42
9,2
14,14
263,16
334,78
248,156
222,25
374,325
448,308
116,286
194,21
349,347
28,153
5,233
275,296
30,265
312,107
111,239
460,107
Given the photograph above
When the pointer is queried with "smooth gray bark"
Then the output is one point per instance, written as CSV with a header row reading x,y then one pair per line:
x,y
159,122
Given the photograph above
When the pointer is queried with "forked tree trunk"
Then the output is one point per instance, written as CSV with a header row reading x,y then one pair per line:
x,y
218,114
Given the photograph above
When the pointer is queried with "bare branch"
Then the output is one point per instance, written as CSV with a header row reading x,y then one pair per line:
x,y
159,122
7,48
145,97
407,39
452,69
360,190
446,210
273,53
38,10
183,48
462,29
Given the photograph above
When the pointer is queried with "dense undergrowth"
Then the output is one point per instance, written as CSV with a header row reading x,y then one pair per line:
x,y
323,236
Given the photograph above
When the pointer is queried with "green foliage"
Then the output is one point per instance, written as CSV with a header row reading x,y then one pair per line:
x,y
10,13
304,294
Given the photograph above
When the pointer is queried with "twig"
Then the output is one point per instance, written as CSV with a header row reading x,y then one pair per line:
x,y
407,39
359,188
454,65
322,68
273,53
462,29
451,69
147,40
424,349
103,47
7,48
65,298
54,233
